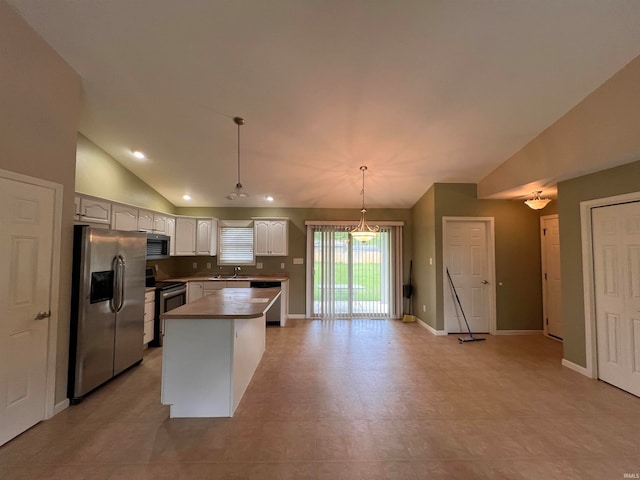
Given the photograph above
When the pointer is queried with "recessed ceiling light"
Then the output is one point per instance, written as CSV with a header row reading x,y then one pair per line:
x,y
269,198
186,197
138,154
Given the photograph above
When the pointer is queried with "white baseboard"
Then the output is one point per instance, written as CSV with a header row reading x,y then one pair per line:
x,y
518,332
430,329
297,315
575,367
59,407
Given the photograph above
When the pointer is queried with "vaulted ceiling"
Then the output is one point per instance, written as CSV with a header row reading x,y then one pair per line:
x,y
419,91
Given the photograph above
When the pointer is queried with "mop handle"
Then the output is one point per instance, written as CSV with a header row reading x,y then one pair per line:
x,y
458,300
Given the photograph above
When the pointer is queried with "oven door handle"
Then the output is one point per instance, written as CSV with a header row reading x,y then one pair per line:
x,y
174,293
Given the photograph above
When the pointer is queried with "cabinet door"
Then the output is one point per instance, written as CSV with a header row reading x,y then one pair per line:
x,y
195,291
95,211
145,220
160,223
210,287
261,237
170,230
149,312
124,218
278,237
76,204
207,236
185,236
238,284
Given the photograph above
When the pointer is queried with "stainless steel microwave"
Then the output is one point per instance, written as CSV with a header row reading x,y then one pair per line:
x,y
158,246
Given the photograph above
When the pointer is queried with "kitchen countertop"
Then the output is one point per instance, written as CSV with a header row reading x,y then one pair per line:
x,y
246,278
227,303
149,289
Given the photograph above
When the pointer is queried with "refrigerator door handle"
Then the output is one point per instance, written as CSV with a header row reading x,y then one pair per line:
x,y
113,302
121,276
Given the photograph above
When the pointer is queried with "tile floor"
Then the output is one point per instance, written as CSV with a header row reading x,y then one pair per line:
x,y
360,399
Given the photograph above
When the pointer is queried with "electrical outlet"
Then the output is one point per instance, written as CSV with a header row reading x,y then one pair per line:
x,y
424,308
430,261
195,265
282,265
259,265
208,266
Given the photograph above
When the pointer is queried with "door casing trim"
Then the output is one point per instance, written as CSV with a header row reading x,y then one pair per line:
x,y
588,280
491,262
52,327
543,259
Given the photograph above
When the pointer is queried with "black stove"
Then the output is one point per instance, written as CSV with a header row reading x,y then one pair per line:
x,y
150,281
168,285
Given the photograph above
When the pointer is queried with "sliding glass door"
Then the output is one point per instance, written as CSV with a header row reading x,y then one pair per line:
x,y
351,279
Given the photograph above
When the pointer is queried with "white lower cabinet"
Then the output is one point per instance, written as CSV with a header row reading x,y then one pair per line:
x,y
149,314
195,291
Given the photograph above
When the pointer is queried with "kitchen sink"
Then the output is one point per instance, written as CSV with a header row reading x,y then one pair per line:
x,y
230,277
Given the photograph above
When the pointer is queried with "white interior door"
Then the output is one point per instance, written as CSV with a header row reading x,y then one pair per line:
x,y
466,256
26,236
551,279
616,262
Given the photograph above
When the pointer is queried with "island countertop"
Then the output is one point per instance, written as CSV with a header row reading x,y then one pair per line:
x,y
227,303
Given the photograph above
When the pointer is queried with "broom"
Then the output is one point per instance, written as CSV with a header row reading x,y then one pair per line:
x,y
470,338
408,292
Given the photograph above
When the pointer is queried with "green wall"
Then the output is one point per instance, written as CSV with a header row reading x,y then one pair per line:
x,y
98,174
607,183
517,254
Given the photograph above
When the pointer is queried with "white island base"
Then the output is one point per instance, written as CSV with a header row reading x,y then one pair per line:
x,y
207,364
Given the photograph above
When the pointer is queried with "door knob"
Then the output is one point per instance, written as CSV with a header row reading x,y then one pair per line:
x,y
484,282
42,315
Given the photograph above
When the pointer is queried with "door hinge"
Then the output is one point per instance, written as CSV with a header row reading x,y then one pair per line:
x,y
547,319
545,275
544,231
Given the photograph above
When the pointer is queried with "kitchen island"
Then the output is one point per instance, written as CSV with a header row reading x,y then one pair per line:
x,y
211,350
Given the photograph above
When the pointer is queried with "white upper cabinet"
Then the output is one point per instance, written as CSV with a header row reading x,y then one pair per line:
x,y
160,223
185,236
192,236
124,217
76,204
145,220
207,237
170,230
271,237
95,211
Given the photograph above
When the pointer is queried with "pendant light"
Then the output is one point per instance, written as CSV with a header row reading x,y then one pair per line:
x,y
537,203
362,231
237,192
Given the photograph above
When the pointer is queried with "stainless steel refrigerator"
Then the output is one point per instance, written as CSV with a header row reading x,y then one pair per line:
x,y
107,307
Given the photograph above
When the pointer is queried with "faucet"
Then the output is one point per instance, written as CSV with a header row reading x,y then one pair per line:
x,y
235,271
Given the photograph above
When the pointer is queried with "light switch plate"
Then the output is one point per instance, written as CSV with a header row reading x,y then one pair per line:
x,y
298,261
259,265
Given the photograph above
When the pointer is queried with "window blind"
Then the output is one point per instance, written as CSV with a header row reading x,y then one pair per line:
x,y
235,245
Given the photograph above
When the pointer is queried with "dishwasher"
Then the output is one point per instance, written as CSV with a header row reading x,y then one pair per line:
x,y
273,314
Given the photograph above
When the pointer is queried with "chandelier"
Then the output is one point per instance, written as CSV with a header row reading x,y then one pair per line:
x,y
537,203
237,191
362,231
